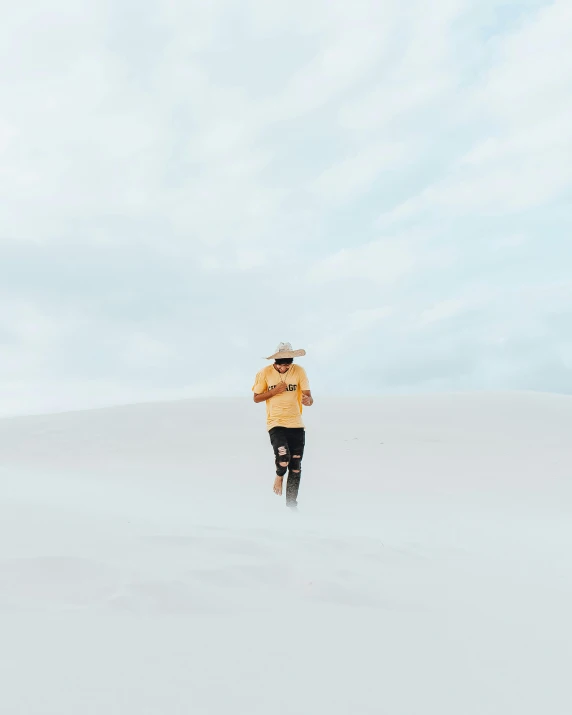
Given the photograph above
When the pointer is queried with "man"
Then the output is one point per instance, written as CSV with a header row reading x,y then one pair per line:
x,y
285,389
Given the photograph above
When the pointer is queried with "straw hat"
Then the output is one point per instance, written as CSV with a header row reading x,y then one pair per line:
x,y
284,350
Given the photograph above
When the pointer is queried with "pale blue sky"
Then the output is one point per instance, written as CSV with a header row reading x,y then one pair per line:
x,y
185,184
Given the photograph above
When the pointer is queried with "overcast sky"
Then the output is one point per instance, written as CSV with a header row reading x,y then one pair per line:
x,y
184,184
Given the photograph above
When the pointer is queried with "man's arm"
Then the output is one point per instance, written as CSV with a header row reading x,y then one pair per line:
x,y
307,398
263,396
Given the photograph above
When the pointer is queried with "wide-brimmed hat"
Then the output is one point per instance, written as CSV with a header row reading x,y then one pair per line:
x,y
284,350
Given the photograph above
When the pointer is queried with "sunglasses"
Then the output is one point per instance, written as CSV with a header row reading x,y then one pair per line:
x,y
283,361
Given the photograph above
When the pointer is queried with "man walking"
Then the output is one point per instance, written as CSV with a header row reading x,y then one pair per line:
x,y
285,389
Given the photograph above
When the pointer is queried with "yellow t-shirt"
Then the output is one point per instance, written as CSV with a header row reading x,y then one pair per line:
x,y
284,410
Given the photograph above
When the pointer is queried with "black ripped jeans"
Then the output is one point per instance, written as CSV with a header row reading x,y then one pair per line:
x,y
288,444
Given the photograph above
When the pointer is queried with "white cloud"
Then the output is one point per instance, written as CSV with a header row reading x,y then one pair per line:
x,y
442,311
511,241
531,67
344,330
142,350
208,173
354,175
524,161
29,333
386,260
368,317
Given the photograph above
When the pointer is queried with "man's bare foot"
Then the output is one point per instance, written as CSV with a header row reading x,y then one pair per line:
x,y
278,486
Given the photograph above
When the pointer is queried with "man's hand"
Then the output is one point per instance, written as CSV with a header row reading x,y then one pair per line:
x,y
278,390
307,400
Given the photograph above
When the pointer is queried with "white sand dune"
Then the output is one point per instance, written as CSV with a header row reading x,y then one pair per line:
x,y
146,568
